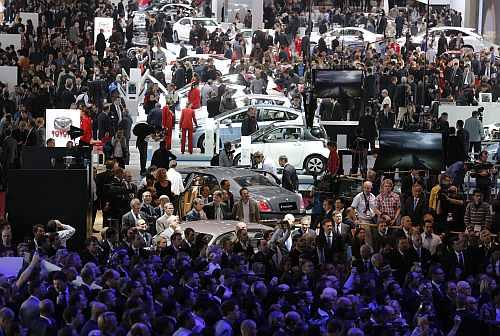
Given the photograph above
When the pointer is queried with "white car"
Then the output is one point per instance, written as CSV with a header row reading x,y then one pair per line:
x,y
229,123
304,151
183,27
491,131
472,40
350,35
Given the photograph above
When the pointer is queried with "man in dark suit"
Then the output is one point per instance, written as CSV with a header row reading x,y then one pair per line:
x,y
217,209
162,156
401,259
45,324
381,236
179,76
455,77
59,293
416,205
183,50
130,218
342,229
331,247
176,245
364,264
420,253
460,258
30,309
405,231
31,137
104,124
386,118
382,24
100,44
289,180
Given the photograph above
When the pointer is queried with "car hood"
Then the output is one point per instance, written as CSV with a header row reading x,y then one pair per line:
x,y
271,192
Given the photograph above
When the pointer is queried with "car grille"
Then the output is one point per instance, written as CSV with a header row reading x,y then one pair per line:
x,y
287,206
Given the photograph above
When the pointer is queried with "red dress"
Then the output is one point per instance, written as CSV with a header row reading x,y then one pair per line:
x,y
86,126
168,122
194,97
333,162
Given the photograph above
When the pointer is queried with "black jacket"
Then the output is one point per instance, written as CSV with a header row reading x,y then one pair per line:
x,y
104,124
161,158
210,211
249,126
290,179
100,43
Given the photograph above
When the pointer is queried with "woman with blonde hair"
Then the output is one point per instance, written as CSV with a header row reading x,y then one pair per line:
x,y
162,184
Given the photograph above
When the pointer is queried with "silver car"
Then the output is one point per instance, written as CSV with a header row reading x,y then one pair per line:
x,y
216,232
273,200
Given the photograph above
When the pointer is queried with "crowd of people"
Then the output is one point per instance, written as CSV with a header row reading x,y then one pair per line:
x,y
419,260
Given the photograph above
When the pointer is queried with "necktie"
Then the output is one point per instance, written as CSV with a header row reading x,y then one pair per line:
x,y
329,240
466,77
461,259
415,202
338,229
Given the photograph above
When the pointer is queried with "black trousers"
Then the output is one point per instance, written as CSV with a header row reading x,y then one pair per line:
x,y
142,146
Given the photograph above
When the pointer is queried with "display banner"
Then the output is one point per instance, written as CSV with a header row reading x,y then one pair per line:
x,y
58,123
8,75
30,16
105,24
246,142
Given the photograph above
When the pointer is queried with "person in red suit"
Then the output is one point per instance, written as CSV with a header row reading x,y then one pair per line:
x,y
168,123
86,126
194,96
333,163
188,120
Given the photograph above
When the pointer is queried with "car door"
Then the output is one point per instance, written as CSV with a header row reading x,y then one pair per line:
x,y
193,182
284,140
266,116
185,28
230,126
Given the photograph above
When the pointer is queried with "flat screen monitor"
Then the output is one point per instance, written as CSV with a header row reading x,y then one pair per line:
x,y
408,150
337,83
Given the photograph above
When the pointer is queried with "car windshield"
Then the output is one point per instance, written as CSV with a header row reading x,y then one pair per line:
x,y
247,33
203,237
253,180
209,23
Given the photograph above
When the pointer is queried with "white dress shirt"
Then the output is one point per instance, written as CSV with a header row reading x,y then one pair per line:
x,y
176,183
359,204
431,243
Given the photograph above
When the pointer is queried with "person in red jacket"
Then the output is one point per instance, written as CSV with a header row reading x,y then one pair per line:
x,y
86,126
333,163
194,96
187,124
168,123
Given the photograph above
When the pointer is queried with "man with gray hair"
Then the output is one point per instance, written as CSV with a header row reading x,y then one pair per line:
x,y
196,212
155,117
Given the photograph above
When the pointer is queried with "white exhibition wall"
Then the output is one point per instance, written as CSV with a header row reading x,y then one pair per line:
x,y
10,39
8,75
30,16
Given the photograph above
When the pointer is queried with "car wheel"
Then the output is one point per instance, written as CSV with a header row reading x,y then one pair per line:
x,y
219,74
176,37
201,143
314,164
237,160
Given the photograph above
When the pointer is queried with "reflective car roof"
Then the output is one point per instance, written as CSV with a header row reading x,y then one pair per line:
x,y
216,228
